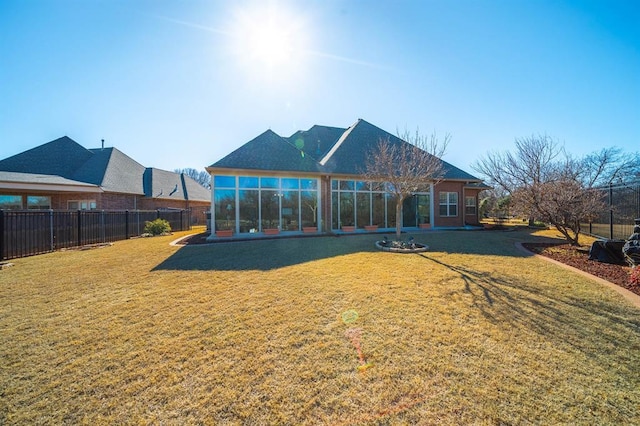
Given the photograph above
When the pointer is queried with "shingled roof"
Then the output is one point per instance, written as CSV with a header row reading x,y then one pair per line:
x,y
321,149
171,186
316,141
17,180
269,151
60,157
65,161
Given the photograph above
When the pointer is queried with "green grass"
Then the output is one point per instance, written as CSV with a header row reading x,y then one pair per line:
x,y
471,332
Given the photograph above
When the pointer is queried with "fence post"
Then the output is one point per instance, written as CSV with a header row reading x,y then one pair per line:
x,y
1,234
610,211
51,229
79,228
103,232
126,224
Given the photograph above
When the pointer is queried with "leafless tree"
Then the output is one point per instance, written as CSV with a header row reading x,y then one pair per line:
x,y
202,177
407,165
545,182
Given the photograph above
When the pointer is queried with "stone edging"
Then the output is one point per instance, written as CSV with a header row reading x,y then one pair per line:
x,y
629,295
402,250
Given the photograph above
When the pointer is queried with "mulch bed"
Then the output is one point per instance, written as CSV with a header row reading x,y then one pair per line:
x,y
578,257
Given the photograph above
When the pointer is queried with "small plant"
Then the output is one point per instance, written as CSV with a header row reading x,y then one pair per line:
x,y
635,276
157,227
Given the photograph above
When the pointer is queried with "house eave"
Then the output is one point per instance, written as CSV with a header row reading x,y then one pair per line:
x,y
43,187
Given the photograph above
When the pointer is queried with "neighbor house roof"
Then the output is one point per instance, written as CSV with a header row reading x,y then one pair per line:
x,y
169,185
321,149
64,161
60,157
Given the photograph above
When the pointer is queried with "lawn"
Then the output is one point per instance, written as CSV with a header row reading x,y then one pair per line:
x,y
471,332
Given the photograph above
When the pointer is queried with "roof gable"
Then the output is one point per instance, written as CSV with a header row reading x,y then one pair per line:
x,y
269,151
60,157
349,154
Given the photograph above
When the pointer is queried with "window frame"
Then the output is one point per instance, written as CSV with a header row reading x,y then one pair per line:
x,y
467,206
450,203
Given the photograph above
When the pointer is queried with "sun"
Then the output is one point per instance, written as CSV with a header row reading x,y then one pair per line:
x,y
268,36
269,44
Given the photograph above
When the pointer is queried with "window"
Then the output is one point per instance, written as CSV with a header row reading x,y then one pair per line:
x,y
248,182
269,182
448,204
81,205
470,205
38,202
10,202
362,203
257,203
224,181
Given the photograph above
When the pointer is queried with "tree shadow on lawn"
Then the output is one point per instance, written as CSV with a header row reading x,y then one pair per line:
x,y
555,315
277,253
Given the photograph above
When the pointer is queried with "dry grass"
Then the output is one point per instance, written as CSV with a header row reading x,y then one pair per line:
x,y
472,332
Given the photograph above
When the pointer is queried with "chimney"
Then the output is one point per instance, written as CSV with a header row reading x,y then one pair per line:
x,y
102,144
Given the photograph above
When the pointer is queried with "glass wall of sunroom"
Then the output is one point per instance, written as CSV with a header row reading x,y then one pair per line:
x,y
360,204
249,204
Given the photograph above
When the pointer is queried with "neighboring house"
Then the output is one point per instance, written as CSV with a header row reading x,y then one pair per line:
x,y
312,182
62,174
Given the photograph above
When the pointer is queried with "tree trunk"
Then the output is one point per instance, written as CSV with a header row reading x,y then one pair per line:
x,y
398,218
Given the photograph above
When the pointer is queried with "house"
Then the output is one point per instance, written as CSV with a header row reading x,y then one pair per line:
x,y
312,182
62,174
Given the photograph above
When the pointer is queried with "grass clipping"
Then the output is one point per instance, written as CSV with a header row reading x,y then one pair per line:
x,y
472,332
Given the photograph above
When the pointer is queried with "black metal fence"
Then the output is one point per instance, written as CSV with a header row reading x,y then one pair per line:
x,y
29,232
616,222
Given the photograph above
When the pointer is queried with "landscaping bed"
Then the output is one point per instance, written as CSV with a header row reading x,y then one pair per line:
x,y
578,257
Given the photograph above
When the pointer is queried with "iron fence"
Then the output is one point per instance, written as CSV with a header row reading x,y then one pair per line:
x,y
616,223
30,232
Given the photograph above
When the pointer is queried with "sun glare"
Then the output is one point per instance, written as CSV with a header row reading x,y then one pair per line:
x,y
269,37
269,44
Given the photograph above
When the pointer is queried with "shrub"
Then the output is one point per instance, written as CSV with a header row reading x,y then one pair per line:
x,y
635,275
157,227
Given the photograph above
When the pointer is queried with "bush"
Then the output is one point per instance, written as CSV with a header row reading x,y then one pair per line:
x,y
635,275
157,227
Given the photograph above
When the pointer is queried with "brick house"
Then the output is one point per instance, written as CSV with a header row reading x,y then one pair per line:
x,y
312,182
62,175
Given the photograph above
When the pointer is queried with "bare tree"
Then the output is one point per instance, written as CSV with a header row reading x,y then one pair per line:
x,y
546,183
202,177
407,165
609,165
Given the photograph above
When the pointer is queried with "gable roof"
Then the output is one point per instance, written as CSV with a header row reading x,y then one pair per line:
x,y
326,150
269,151
64,161
60,157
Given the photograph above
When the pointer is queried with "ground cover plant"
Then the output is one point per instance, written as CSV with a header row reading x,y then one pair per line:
x,y
471,332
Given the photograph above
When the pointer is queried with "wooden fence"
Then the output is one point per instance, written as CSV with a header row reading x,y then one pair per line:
x,y
29,232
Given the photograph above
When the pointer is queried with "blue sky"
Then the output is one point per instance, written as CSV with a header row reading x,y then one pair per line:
x,y
181,84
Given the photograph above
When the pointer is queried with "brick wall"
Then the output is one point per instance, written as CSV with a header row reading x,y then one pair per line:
x,y
449,221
